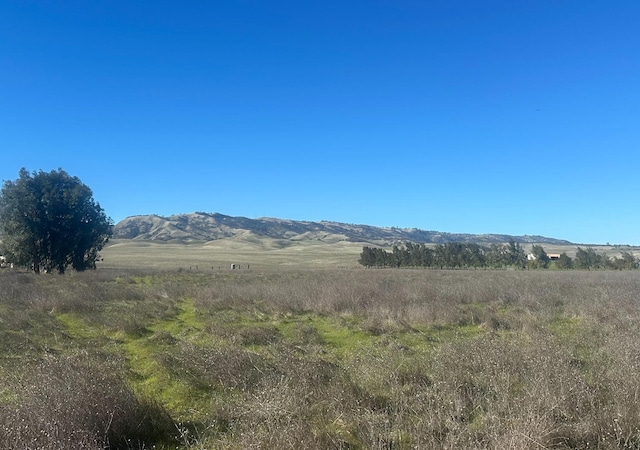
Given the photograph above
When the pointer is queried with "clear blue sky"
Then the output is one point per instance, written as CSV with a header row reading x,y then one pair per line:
x,y
514,116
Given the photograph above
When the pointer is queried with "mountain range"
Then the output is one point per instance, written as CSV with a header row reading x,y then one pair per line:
x,y
201,226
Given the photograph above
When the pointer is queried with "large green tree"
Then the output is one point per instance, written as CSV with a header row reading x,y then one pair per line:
x,y
50,221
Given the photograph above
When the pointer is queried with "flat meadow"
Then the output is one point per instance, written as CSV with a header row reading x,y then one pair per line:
x,y
165,347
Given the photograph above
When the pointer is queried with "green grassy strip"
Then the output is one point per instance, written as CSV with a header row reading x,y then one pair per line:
x,y
146,375
340,338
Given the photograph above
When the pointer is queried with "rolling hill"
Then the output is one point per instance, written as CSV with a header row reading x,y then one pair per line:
x,y
200,226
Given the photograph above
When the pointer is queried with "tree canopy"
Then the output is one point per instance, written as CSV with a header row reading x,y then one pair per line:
x,y
454,255
448,255
50,221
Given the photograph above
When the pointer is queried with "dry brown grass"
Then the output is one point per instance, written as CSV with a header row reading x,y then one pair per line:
x,y
325,358
73,403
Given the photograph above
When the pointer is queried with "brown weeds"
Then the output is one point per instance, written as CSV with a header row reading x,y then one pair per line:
x,y
379,359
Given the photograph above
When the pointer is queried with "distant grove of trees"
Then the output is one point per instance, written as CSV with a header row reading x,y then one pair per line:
x,y
457,255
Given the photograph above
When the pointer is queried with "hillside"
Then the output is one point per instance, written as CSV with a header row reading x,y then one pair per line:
x,y
202,226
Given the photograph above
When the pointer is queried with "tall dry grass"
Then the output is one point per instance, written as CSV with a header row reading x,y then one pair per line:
x,y
378,359
553,366
76,403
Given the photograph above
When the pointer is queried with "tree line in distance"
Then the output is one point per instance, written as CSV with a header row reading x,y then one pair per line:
x,y
457,255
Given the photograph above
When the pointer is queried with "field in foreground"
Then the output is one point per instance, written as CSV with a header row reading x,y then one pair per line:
x,y
320,359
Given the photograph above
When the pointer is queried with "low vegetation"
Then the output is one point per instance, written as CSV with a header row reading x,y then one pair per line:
x,y
320,359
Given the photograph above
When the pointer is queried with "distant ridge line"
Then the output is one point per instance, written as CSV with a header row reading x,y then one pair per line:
x,y
201,226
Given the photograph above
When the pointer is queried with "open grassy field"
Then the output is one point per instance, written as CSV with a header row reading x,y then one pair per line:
x,y
259,254
159,348
265,254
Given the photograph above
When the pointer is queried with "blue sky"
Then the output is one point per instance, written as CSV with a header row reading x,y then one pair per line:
x,y
516,117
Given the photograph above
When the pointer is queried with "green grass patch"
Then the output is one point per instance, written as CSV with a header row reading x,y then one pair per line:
x,y
341,336
187,321
151,379
425,338
141,353
338,336
564,327
77,327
